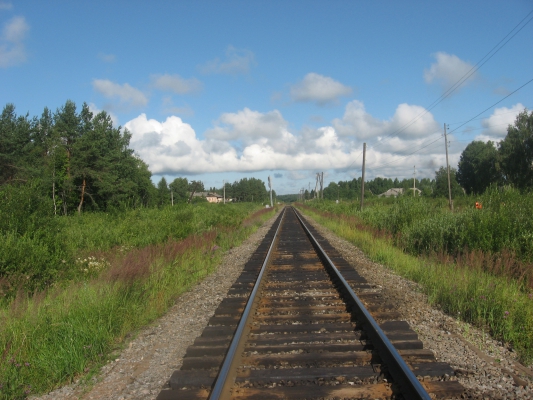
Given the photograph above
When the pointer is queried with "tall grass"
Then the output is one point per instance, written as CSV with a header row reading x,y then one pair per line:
x,y
49,250
51,337
499,237
498,304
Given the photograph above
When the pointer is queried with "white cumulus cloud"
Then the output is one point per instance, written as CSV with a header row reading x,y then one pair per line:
x,y
447,70
318,88
408,122
235,144
249,140
12,48
176,84
495,126
237,61
125,93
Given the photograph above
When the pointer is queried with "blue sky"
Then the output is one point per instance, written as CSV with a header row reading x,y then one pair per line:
x,y
218,91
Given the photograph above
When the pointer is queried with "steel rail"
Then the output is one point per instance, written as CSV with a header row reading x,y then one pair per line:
x,y
220,382
402,374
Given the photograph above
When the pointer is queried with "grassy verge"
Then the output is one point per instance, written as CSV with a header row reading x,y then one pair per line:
x,y
53,337
496,304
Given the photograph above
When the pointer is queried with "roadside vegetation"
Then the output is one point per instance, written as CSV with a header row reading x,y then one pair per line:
x,y
90,249
476,264
127,270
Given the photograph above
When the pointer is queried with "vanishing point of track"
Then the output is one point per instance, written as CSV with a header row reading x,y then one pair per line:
x,y
301,323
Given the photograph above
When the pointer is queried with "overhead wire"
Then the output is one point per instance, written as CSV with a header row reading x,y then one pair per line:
x,y
488,108
467,75
450,132
457,84
453,88
406,155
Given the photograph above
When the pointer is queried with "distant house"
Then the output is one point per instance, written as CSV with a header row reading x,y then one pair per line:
x,y
392,192
214,198
398,191
210,197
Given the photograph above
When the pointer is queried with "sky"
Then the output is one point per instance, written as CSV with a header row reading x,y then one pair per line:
x,y
223,90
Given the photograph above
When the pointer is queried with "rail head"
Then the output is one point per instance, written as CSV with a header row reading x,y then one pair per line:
x,y
221,382
400,371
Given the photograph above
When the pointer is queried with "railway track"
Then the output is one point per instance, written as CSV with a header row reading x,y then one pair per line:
x,y
301,323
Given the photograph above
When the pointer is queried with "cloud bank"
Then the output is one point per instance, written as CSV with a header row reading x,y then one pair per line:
x,y
249,140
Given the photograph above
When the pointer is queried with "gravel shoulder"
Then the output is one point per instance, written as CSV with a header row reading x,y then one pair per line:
x,y
485,367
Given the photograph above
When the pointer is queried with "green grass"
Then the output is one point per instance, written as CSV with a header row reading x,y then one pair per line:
x,y
47,251
497,304
55,336
498,237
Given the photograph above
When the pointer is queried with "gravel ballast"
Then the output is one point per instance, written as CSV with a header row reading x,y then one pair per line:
x,y
485,367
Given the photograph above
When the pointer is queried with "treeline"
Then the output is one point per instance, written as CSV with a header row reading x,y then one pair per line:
x,y
76,160
510,162
351,190
180,190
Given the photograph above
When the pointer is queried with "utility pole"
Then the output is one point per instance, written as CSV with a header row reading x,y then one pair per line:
x,y
171,197
270,186
363,177
414,181
322,186
224,183
448,168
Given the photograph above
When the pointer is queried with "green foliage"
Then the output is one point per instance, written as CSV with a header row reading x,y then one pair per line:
x,y
163,193
56,336
492,303
179,188
248,190
423,226
441,184
478,167
81,161
516,152
38,251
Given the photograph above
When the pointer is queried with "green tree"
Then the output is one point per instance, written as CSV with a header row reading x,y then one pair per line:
x,y
179,188
441,183
17,147
477,168
516,152
163,193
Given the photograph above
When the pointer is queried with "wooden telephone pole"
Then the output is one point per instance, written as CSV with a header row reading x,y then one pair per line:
x,y
363,177
448,168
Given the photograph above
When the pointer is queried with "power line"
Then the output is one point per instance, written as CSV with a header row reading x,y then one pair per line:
x,y
467,75
488,108
478,119
423,147
407,155
453,88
